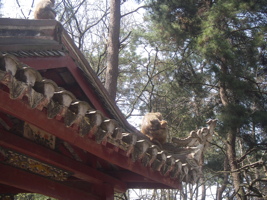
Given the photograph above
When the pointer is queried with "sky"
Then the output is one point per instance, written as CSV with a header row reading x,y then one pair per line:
x,y
11,9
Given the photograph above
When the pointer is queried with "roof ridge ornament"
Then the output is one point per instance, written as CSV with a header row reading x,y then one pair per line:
x,y
179,160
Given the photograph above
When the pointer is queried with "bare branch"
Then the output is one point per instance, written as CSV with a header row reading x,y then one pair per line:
x,y
31,8
126,37
17,1
134,11
73,13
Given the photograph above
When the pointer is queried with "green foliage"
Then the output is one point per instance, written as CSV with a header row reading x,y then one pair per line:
x,y
260,117
218,53
32,196
233,116
214,164
223,35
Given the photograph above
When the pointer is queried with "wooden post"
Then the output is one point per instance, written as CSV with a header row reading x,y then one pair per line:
x,y
109,192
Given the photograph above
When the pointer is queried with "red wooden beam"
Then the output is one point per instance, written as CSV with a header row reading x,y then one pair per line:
x,y
130,177
66,61
5,189
22,111
137,181
136,185
26,181
109,192
40,63
81,171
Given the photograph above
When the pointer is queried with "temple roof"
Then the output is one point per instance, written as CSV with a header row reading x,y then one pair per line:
x,y
49,90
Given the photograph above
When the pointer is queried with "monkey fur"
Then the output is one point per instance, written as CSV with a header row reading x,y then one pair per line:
x,y
154,127
43,10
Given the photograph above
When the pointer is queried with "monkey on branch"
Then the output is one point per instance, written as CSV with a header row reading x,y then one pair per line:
x,y
44,10
154,127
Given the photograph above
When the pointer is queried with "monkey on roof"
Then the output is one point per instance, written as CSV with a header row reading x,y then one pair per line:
x,y
43,10
154,127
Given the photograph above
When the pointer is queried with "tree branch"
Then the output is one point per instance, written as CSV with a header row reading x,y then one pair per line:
x,y
17,1
134,11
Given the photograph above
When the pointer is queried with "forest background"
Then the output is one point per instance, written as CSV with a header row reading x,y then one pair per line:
x,y
192,61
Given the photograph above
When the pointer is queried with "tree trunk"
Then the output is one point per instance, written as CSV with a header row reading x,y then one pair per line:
x,y
231,144
221,189
112,70
231,155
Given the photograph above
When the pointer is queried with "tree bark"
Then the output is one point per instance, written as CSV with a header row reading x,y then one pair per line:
x,y
221,189
112,70
231,154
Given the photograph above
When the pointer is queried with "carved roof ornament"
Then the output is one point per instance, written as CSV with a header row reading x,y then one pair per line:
x,y
190,149
180,159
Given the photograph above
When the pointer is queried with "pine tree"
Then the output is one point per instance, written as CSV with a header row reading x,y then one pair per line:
x,y
221,47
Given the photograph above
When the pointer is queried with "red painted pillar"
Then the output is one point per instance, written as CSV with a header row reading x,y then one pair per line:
x,y
109,192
